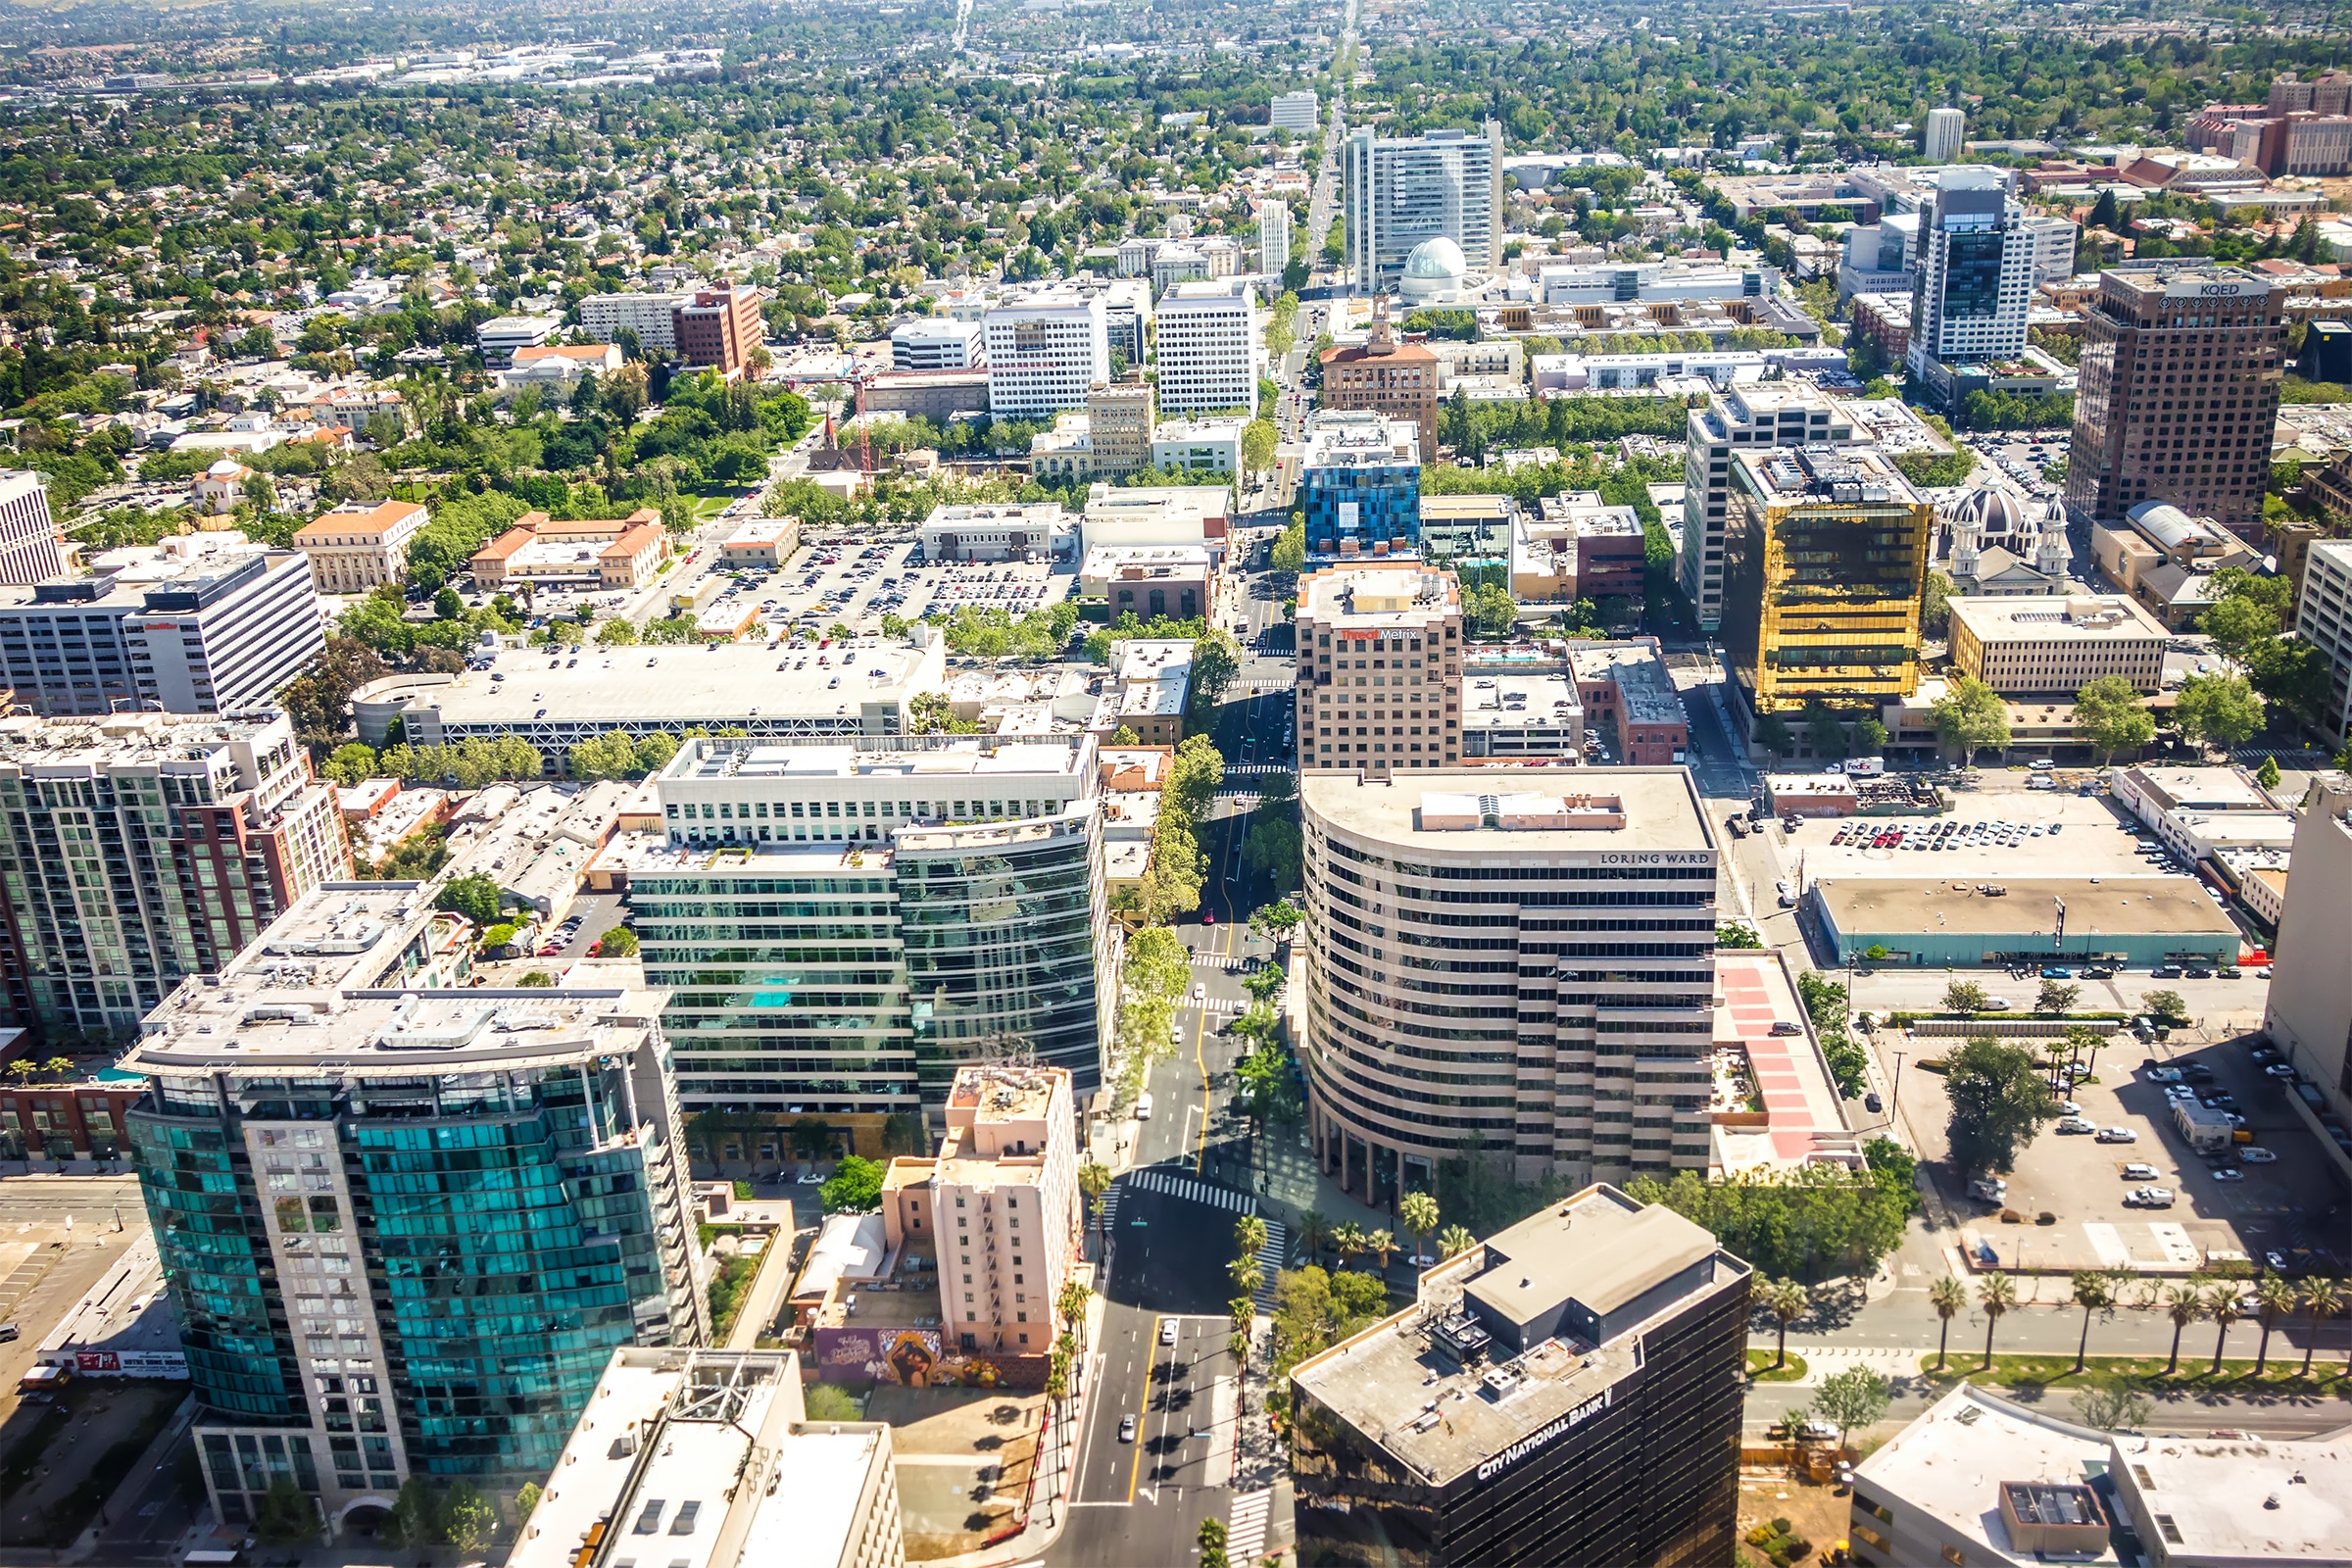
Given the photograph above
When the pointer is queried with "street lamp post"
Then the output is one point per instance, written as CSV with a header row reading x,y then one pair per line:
x,y
1895,1095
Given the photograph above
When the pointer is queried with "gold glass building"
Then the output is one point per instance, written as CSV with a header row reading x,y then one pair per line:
x,y
1827,558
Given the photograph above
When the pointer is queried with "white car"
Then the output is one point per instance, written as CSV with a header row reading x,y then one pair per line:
x,y
1167,1331
2149,1198
2068,1107
2118,1134
2162,1075
2075,1124
2139,1171
2254,1155
1200,993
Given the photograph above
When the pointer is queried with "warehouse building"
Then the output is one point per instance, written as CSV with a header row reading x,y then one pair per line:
x,y
1931,922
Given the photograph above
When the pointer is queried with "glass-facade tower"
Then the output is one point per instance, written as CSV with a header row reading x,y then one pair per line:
x,y
407,1244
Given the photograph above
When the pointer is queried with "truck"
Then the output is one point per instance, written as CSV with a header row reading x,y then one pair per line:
x,y
1865,766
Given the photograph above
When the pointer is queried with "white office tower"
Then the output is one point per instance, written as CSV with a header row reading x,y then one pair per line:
x,y
1044,350
2053,235
1946,127
1297,111
1975,278
937,343
1210,355
1273,240
1443,184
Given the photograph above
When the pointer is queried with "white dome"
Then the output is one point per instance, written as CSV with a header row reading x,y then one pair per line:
x,y
1436,258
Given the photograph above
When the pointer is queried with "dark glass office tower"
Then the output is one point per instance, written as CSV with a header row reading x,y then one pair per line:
x,y
1568,1393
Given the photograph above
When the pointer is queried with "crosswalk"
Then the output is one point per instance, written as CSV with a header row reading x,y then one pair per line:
x,y
1170,1184
1245,1534
1272,1259
1216,1005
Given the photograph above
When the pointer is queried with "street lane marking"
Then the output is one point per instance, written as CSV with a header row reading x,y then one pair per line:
x,y
1207,1103
1246,1535
1135,1471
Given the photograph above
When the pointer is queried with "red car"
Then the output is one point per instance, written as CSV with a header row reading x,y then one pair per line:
x,y
1209,918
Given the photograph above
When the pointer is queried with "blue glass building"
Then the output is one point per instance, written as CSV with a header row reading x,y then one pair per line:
x,y
1359,485
404,1229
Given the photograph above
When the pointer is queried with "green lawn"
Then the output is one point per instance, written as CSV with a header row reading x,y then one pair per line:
x,y
2146,1373
1761,1370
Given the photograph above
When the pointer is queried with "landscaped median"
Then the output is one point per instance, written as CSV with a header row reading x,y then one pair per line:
x,y
1760,1368
2143,1374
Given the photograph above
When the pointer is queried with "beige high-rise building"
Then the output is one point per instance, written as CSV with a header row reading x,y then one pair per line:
x,y
999,1207
1120,420
1380,668
2309,1013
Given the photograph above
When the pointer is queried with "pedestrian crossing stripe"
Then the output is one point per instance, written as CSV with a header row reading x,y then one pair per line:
x,y
1169,1183
1245,1534
1272,1259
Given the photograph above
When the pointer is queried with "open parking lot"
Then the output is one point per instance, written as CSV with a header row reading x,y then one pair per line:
x,y
2047,833
2281,1201
2023,454
856,580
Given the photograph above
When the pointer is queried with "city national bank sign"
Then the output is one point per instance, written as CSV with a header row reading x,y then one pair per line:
x,y
1536,1440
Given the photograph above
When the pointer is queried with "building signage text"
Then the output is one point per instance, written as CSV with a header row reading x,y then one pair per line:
x,y
1534,1440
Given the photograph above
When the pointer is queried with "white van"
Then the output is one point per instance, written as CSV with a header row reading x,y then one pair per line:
x,y
2042,765
1142,1108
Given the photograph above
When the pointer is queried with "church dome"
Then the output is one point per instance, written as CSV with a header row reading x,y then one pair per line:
x,y
1995,513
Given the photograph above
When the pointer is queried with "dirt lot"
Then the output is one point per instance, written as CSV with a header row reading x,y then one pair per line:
x,y
61,1459
1818,1513
963,1461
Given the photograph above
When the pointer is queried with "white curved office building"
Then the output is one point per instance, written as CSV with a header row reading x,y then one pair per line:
x,y
1533,969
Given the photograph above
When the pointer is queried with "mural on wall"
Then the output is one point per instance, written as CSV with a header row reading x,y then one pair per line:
x,y
911,1359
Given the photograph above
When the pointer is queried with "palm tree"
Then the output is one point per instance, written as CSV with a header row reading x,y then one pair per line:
x,y
1787,1300
1384,1244
2277,1299
1949,1297
1093,1180
2224,1310
1315,1229
1071,1304
1247,1277
2322,1299
1418,1214
2184,1304
2093,1291
1348,1240
1455,1240
1996,1293
1250,1235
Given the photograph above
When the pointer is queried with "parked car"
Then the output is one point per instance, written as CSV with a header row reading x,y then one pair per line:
x,y
1872,1103
2256,1154
2139,1171
2118,1134
2075,1124
2148,1198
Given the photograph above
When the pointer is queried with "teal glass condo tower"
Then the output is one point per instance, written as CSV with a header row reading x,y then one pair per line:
x,y
404,1229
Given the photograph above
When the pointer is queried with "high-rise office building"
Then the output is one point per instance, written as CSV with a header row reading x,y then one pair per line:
x,y
997,1210
1946,134
201,623
712,1453
1044,350
1827,558
1210,355
1386,376
145,848
844,928
2181,363
1365,630
405,1228
1403,190
1975,282
2309,1009
1567,1391
937,343
2052,236
1593,1063
29,549
653,317
1122,417
1761,414
1296,112
2324,619
1360,484
720,328
1273,241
